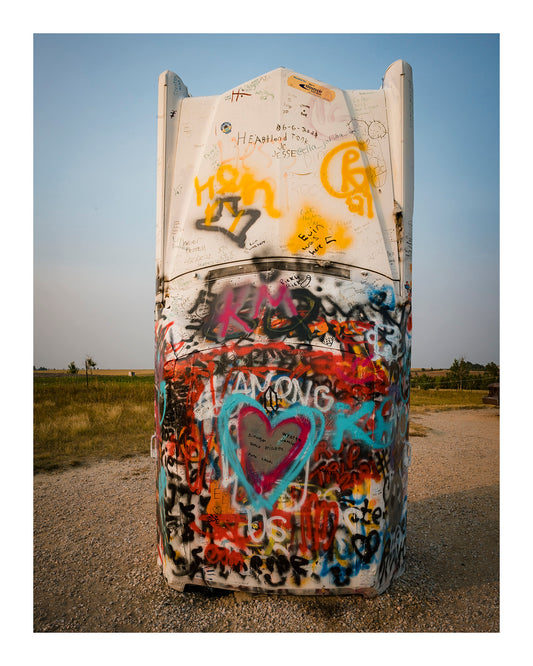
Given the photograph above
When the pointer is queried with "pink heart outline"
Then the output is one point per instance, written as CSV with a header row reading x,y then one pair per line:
x,y
264,481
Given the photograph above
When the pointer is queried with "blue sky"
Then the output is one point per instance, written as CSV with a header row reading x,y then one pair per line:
x,y
95,124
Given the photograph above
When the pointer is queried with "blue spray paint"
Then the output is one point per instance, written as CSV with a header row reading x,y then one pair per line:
x,y
230,446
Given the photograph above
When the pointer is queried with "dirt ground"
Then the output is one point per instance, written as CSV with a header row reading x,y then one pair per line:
x,y
95,550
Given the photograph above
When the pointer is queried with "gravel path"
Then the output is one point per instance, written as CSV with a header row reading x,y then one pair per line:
x,y
95,563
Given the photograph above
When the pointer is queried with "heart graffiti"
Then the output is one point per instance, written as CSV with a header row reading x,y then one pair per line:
x,y
267,454
268,451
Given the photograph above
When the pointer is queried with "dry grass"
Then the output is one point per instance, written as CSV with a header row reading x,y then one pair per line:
x,y
417,429
121,372
74,423
443,399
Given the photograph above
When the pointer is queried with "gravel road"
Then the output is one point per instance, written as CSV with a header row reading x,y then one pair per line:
x,y
95,560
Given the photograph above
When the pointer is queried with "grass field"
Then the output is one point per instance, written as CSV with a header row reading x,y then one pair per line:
x,y
442,399
112,415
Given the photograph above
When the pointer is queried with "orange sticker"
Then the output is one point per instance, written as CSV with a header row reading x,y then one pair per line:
x,y
311,87
220,501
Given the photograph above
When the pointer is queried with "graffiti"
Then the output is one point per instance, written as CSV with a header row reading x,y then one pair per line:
x,y
314,234
283,351
298,128
270,401
344,176
226,189
271,453
228,224
350,468
228,180
278,312
237,313
296,281
238,310
287,466
369,133
236,95
250,138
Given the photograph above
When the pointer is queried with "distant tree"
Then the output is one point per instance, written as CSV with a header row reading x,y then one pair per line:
x,y
475,382
72,369
425,382
90,364
459,373
492,372
444,382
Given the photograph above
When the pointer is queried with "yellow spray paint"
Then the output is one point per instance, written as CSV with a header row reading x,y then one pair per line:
x,y
344,175
316,235
230,180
